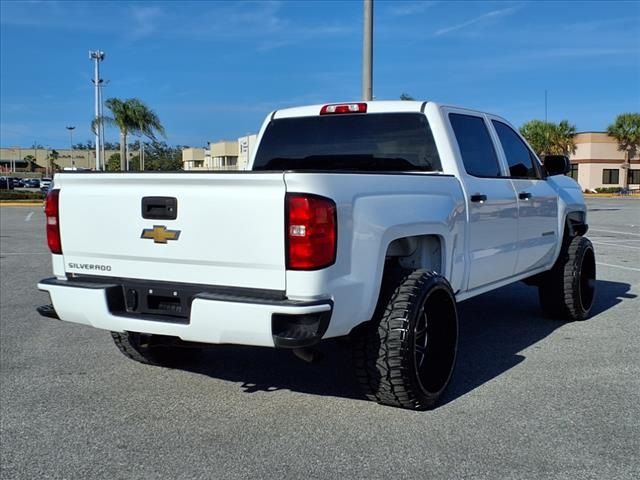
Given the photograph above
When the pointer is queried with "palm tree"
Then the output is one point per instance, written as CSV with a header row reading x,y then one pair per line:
x,y
548,138
563,138
31,163
53,156
626,130
538,134
131,116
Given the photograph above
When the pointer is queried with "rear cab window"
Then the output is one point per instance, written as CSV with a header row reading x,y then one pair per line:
x,y
352,142
476,147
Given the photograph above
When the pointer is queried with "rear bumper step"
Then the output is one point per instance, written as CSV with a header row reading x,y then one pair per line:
x,y
206,316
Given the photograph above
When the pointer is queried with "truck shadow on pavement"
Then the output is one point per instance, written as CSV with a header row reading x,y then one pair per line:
x,y
494,328
267,370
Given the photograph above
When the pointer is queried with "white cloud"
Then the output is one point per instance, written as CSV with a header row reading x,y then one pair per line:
x,y
486,16
145,21
403,9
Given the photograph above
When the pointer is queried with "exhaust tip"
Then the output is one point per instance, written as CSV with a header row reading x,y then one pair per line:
x,y
48,311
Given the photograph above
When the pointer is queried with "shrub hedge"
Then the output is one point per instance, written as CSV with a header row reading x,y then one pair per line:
x,y
20,195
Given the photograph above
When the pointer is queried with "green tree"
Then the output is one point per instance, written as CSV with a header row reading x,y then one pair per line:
x,y
113,164
31,163
548,138
131,116
160,156
626,130
563,138
537,133
53,156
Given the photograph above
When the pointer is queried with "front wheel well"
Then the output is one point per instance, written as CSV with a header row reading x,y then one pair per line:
x,y
575,224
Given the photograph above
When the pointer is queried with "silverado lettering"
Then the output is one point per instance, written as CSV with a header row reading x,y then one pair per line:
x,y
90,266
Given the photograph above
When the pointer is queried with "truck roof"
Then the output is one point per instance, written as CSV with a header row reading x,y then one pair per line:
x,y
377,106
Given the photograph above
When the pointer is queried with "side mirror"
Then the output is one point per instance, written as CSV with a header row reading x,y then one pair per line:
x,y
556,164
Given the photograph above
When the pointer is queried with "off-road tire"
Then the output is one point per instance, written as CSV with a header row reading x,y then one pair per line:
x,y
154,349
568,289
395,363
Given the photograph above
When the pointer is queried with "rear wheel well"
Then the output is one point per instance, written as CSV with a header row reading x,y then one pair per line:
x,y
404,255
416,252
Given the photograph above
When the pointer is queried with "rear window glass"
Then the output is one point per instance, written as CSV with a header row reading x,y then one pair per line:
x,y
476,148
374,142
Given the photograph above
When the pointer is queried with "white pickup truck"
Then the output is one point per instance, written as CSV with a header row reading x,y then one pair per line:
x,y
368,219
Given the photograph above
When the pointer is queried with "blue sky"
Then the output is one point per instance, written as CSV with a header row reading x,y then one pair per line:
x,y
213,70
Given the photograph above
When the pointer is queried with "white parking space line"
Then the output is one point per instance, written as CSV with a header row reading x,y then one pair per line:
x,y
624,240
615,245
611,231
28,217
618,266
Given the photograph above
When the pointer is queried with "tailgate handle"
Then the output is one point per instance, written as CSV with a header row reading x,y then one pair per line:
x,y
160,208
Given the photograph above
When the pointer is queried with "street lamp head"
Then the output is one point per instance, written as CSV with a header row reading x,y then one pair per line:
x,y
97,55
70,128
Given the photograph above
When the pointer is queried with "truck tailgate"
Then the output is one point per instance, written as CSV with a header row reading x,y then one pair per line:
x,y
228,228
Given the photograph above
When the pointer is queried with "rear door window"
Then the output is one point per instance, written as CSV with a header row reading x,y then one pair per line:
x,y
354,142
478,155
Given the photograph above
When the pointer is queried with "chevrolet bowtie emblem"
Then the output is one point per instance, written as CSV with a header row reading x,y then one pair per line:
x,y
160,234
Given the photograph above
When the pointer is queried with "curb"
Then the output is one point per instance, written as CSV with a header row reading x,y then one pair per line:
x,y
21,204
610,195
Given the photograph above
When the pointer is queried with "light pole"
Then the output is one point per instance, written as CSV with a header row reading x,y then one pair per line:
x,y
97,56
48,161
71,129
367,52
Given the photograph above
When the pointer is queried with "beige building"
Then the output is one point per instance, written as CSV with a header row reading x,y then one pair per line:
x,y
598,163
16,159
223,155
195,158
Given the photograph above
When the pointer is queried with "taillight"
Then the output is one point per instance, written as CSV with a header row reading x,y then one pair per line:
x,y
311,232
344,108
52,214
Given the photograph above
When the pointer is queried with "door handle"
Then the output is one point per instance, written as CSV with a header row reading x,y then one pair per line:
x,y
160,208
524,196
478,197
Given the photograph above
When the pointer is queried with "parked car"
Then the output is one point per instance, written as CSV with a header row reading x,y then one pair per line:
x,y
32,183
6,183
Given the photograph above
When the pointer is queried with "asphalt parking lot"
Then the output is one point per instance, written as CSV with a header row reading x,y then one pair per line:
x,y
531,398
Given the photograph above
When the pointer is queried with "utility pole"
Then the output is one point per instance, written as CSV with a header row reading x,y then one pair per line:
x,y
71,129
367,52
101,101
97,56
141,154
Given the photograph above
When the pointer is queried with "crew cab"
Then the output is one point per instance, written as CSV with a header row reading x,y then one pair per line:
x,y
367,219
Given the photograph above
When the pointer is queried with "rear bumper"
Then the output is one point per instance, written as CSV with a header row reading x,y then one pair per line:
x,y
212,318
